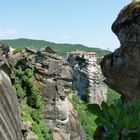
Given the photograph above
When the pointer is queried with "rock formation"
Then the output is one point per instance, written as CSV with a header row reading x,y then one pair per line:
x,y
89,81
4,50
54,77
135,0
122,68
88,78
10,120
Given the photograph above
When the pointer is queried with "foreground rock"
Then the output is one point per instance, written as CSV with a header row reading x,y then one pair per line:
x,y
10,117
122,68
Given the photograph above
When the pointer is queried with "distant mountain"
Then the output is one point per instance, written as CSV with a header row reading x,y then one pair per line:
x,y
61,48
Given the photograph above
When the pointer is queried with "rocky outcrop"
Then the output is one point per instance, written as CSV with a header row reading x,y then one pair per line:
x,y
122,68
54,77
4,50
55,82
10,128
88,82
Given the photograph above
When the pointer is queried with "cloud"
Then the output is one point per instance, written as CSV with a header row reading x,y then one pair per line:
x,y
7,32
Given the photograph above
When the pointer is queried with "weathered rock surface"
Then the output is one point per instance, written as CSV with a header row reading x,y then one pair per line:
x,y
54,77
55,83
4,49
88,81
122,68
10,128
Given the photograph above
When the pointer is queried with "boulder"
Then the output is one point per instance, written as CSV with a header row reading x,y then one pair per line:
x,y
122,67
4,49
31,50
49,49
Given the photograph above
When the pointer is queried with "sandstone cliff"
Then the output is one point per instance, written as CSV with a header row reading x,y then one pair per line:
x,y
10,117
54,77
88,81
122,68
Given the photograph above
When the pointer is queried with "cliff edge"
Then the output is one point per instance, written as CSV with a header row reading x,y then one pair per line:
x,y
122,67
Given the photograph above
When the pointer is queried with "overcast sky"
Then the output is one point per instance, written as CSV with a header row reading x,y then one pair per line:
x,y
86,22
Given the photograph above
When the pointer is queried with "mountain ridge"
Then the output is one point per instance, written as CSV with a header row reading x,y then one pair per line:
x,y
62,48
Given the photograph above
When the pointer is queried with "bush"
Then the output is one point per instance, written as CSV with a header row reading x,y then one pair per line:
x,y
17,50
42,131
86,118
26,84
32,100
35,128
20,92
36,115
11,62
46,132
120,120
112,96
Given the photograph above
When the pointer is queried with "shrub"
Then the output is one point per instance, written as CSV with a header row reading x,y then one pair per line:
x,y
112,96
35,128
42,131
120,120
26,84
46,132
36,115
20,92
10,62
85,117
17,50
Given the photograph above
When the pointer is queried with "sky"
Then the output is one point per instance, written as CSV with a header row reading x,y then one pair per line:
x,y
86,22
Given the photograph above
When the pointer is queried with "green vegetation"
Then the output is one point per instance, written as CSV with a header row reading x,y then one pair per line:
x,y
121,121
86,118
112,96
85,113
34,116
30,101
61,48
25,86
17,50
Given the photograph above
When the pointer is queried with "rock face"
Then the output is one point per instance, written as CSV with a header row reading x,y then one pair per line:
x,y
122,68
10,128
88,82
54,77
4,50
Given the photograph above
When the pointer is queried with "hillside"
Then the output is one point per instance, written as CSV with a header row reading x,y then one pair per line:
x,y
61,48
